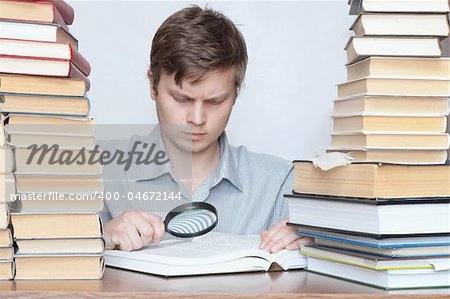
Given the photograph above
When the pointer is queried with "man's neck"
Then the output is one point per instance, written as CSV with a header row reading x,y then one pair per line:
x,y
204,164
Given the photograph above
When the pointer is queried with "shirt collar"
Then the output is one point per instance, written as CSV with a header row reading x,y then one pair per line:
x,y
226,168
141,172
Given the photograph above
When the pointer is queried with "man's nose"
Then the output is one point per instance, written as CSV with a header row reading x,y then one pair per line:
x,y
197,114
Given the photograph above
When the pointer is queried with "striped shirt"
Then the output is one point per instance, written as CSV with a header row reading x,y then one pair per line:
x,y
246,188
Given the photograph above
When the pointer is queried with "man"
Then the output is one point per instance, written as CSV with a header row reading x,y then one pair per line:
x,y
198,62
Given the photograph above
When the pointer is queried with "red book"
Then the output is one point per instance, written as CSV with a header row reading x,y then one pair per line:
x,y
41,50
31,11
40,67
36,31
65,10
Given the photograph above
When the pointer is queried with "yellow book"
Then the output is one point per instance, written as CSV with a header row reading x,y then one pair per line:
x,y
389,104
59,266
56,225
400,24
373,180
373,262
390,140
396,156
378,122
402,67
394,86
45,104
42,85
359,48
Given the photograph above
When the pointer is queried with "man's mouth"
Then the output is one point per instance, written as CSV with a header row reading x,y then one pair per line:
x,y
196,136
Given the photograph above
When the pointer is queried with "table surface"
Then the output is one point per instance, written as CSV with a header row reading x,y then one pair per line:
x,y
117,282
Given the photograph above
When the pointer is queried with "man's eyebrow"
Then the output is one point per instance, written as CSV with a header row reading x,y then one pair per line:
x,y
218,97
179,94
213,98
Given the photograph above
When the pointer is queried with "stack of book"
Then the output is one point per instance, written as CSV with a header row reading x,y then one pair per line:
x,y
54,207
6,244
393,107
7,192
384,220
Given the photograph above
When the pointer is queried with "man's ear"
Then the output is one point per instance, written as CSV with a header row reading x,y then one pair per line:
x,y
150,79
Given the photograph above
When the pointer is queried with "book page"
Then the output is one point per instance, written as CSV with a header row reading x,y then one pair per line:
x,y
249,244
212,248
229,240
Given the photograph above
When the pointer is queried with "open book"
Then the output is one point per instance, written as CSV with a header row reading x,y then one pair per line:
x,y
208,254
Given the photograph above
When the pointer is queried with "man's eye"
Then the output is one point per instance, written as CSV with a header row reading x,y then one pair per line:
x,y
215,102
181,100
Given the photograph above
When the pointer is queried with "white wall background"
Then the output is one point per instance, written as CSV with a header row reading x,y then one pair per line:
x,y
296,58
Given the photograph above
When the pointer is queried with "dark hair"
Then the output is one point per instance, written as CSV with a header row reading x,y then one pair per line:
x,y
194,41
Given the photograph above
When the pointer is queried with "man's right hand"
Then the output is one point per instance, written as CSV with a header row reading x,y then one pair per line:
x,y
133,229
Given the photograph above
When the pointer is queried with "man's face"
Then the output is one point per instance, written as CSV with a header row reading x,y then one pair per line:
x,y
204,108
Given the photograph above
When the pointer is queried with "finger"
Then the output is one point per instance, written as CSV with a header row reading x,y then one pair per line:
x,y
134,237
305,241
268,239
160,231
124,243
114,234
287,237
293,246
145,230
273,230
156,223
300,242
112,242
262,236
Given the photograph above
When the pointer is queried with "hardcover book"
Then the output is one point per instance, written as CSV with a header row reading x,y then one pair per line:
x,y
405,87
44,104
59,246
391,217
36,32
46,266
415,6
56,225
373,240
43,85
208,254
352,122
369,261
400,67
373,180
44,51
388,279
389,104
393,252
390,140
401,25
37,11
359,48
395,156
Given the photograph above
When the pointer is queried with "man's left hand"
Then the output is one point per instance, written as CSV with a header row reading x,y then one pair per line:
x,y
280,236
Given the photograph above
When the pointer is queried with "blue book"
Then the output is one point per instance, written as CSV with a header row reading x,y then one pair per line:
x,y
376,241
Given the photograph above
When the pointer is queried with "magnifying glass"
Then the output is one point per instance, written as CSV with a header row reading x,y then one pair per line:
x,y
191,220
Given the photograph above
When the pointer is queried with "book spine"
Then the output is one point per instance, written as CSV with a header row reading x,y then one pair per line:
x,y
6,215
58,19
80,61
65,10
74,72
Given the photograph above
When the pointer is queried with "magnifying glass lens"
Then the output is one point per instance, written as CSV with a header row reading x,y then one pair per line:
x,y
191,220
